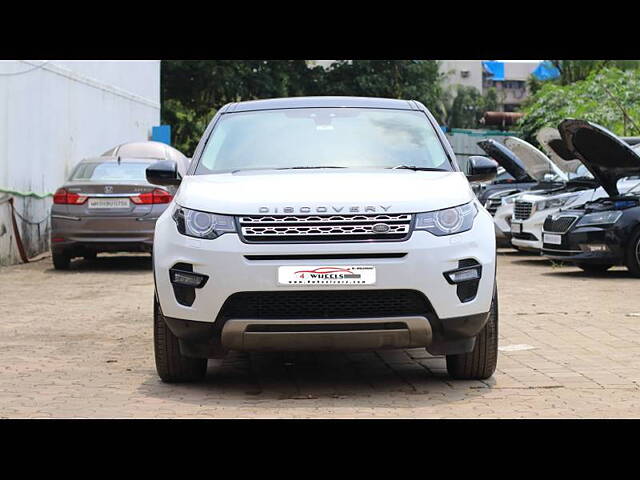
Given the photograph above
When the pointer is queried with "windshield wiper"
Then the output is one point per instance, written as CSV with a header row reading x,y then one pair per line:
x,y
301,167
417,169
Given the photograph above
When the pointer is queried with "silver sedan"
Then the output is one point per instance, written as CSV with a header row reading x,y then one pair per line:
x,y
107,205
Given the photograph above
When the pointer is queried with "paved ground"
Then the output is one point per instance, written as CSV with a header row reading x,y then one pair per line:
x,y
79,344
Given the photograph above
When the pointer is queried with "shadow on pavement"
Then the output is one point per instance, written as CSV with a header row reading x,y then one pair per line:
x,y
575,272
109,264
367,379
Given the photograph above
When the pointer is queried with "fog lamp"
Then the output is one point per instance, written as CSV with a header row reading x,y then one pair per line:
x,y
463,275
187,279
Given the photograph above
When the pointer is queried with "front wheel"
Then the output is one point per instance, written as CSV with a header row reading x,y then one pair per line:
x,y
171,365
61,261
633,254
480,363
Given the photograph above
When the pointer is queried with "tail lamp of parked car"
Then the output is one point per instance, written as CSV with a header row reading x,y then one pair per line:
x,y
156,196
63,197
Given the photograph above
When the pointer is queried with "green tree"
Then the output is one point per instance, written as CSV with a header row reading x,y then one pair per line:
x,y
193,91
469,105
608,96
411,79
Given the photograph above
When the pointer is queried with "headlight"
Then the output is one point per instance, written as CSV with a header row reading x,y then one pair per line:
x,y
448,221
194,223
555,202
599,218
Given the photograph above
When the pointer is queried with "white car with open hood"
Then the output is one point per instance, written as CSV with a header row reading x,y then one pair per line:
x,y
324,223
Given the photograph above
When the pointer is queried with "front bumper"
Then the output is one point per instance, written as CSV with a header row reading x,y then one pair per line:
x,y
527,234
574,246
224,260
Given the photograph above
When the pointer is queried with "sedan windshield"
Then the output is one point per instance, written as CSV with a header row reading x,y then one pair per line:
x,y
110,171
322,138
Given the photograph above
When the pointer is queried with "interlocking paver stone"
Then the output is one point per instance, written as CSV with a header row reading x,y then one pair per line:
x,y
78,344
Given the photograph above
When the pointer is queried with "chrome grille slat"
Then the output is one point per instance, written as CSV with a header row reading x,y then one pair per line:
x,y
307,228
522,209
559,225
323,219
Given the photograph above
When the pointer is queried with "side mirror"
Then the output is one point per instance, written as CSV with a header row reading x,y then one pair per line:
x,y
164,172
481,169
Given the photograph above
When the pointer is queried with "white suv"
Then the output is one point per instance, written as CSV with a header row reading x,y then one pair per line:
x,y
324,223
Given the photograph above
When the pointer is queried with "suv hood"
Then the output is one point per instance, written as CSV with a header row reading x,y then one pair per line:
x,y
555,147
605,155
506,159
322,192
537,163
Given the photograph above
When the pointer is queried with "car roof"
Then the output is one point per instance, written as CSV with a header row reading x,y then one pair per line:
x,y
109,159
149,149
320,102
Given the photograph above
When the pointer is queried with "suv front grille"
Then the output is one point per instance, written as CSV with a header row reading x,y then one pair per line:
x,y
324,304
310,228
522,209
559,225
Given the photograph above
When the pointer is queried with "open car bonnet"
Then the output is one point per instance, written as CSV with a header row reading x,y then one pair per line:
x,y
551,141
536,163
602,152
506,159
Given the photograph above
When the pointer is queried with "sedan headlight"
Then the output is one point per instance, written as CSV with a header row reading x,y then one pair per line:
x,y
195,223
447,221
599,218
555,202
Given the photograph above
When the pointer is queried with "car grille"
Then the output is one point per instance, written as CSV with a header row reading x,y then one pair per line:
x,y
522,209
559,225
323,228
492,205
324,304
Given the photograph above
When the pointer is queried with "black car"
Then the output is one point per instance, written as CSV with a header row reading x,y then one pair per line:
x,y
603,232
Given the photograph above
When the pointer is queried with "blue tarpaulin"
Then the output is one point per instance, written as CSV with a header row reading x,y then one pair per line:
x,y
495,69
546,71
161,133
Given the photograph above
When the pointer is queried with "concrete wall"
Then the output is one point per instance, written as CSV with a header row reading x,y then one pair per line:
x,y
456,73
55,113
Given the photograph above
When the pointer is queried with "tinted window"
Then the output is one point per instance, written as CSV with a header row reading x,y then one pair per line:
x,y
112,171
343,137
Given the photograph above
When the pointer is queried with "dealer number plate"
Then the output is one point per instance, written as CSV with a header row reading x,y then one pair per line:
x,y
552,239
327,275
108,203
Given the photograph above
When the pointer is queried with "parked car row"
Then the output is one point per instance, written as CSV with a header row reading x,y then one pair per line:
x,y
107,205
584,209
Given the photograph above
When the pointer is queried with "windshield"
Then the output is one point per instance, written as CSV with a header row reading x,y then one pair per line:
x,y
322,137
110,172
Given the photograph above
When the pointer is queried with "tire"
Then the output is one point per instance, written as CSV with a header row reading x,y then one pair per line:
x,y
61,261
633,254
480,363
594,268
171,365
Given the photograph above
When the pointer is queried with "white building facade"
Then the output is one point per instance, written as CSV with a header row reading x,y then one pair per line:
x,y
52,115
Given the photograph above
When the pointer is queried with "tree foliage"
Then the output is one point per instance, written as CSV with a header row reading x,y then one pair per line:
x,y
609,97
469,106
192,91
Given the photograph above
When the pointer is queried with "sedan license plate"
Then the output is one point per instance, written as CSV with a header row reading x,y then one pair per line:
x,y
328,275
551,239
109,203
516,227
